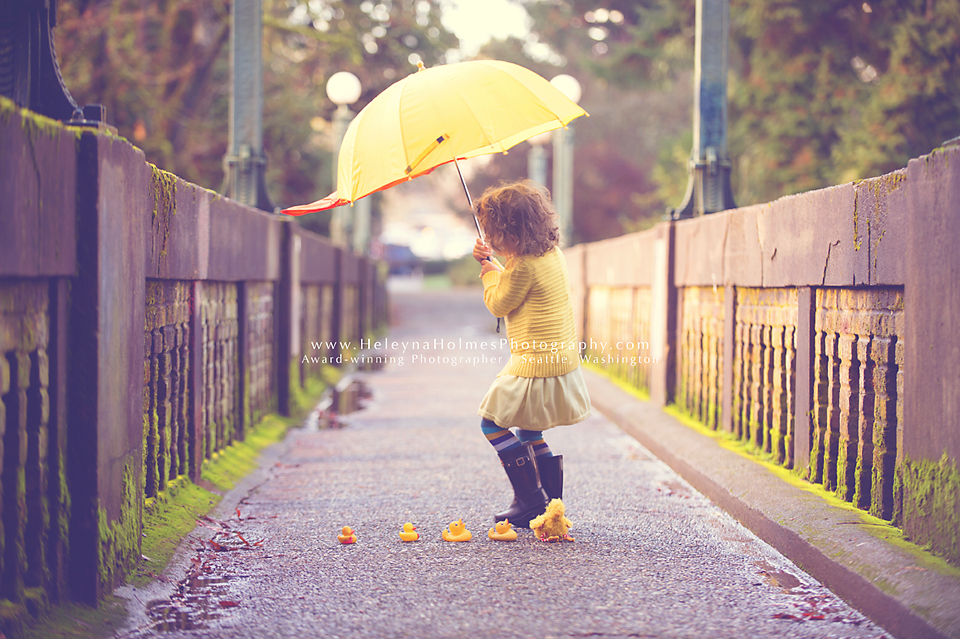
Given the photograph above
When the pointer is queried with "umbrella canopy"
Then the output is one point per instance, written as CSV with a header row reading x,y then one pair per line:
x,y
439,115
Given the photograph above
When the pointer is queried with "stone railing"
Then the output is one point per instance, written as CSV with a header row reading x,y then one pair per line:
x,y
821,328
145,324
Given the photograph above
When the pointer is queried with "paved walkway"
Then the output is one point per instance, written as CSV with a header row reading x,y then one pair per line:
x,y
652,557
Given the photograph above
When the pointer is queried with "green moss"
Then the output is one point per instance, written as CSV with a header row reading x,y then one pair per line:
x,y
245,400
228,466
172,514
873,525
305,398
167,518
844,489
13,617
63,513
119,546
7,109
931,504
73,621
640,393
164,187
879,187
35,599
856,215
36,125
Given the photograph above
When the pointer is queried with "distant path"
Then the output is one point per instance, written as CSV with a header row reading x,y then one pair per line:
x,y
652,558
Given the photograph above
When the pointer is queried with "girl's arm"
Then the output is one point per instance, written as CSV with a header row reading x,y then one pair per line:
x,y
503,291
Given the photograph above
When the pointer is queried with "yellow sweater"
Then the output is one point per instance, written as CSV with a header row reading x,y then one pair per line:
x,y
533,294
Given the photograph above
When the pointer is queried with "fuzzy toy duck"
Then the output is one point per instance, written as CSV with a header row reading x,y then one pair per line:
x,y
552,525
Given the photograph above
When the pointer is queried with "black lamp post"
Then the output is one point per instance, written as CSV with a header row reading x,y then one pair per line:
x,y
708,187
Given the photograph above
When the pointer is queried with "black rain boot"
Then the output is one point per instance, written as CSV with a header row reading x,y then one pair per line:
x,y
551,475
529,498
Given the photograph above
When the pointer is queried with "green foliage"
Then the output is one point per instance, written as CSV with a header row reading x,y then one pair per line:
x,y
464,271
162,71
821,92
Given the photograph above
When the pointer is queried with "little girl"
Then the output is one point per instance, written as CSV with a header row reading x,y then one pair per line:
x,y
542,385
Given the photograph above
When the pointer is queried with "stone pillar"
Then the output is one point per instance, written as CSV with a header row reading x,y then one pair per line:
x,y
803,404
729,343
288,317
107,318
931,430
663,319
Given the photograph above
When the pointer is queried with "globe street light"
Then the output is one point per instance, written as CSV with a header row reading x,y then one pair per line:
x,y
563,161
343,89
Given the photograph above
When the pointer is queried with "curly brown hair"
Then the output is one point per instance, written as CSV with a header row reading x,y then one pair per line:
x,y
518,218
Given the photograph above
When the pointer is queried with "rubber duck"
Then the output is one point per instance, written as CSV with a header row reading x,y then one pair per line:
x,y
409,532
458,532
347,536
552,525
503,531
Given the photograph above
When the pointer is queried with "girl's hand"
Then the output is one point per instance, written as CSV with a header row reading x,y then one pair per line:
x,y
481,251
489,265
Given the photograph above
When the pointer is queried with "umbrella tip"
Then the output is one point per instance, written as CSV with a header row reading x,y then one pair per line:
x,y
420,66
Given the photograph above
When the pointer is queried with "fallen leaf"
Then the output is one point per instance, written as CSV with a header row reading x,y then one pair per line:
x,y
229,604
786,615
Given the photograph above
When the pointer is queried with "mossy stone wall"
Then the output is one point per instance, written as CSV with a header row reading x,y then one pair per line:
x,y
821,327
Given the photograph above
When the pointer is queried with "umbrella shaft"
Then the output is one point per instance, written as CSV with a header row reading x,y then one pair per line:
x,y
469,199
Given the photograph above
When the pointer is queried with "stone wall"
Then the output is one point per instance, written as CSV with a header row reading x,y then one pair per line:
x,y
168,318
820,329
261,389
165,382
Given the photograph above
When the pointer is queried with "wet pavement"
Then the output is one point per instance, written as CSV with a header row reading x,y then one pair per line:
x,y
652,557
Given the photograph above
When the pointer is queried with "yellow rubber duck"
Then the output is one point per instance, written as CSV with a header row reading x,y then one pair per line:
x,y
409,532
458,532
347,536
503,531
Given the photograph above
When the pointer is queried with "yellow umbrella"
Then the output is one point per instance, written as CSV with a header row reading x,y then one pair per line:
x,y
439,115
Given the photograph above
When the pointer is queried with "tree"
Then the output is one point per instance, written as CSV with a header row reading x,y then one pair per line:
x,y
618,147
915,89
162,71
821,91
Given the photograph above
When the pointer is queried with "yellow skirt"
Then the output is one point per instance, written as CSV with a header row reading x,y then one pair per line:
x,y
536,403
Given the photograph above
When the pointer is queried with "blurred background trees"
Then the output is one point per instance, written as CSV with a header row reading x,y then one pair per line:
x,y
161,68
821,91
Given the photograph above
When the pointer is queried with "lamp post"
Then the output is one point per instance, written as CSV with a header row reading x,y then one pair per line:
x,y
563,160
537,158
245,163
343,89
708,183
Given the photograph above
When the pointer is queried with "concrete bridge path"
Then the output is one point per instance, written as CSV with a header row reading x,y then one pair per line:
x,y
652,557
